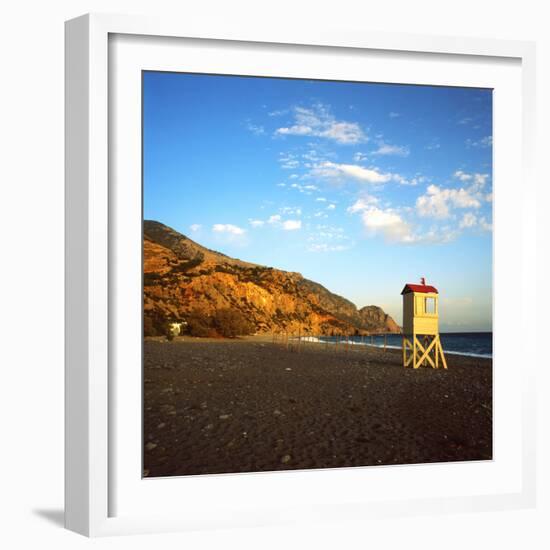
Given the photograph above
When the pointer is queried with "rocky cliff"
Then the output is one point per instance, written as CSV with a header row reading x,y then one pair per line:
x,y
375,319
181,277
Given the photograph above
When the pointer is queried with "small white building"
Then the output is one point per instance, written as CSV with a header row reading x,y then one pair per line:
x,y
177,328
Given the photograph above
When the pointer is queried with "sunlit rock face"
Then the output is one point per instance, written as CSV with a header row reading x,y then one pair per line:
x,y
181,276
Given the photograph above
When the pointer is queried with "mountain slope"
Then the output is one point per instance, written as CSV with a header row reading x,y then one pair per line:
x,y
181,276
374,317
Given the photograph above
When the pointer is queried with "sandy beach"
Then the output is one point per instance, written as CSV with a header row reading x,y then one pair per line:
x,y
246,405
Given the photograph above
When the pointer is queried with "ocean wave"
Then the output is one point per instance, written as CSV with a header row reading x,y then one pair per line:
x,y
468,354
316,340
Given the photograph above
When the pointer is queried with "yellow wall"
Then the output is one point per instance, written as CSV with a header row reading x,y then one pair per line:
x,y
408,313
423,325
415,318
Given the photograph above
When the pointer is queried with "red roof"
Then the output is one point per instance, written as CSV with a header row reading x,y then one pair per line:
x,y
410,287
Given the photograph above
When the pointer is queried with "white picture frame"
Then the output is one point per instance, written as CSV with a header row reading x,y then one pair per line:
x,y
93,435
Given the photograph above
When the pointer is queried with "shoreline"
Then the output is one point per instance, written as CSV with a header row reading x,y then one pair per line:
x,y
307,339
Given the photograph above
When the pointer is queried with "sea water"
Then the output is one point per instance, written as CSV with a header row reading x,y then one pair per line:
x,y
473,344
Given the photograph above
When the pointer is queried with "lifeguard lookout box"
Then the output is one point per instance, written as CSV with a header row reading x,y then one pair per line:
x,y
421,343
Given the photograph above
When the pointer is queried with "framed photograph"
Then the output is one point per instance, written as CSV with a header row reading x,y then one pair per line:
x,y
298,269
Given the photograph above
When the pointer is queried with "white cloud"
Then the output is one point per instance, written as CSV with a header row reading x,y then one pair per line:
x,y
319,122
292,225
393,114
486,141
278,112
227,228
478,180
296,130
387,149
485,225
359,157
387,223
481,179
325,247
433,145
344,132
277,221
406,181
331,207
462,176
295,210
288,161
255,129
330,230
337,172
437,202
195,227
311,155
468,220
333,170
362,204
328,238
321,199
306,189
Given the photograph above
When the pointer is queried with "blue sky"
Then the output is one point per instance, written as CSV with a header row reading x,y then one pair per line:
x,y
361,187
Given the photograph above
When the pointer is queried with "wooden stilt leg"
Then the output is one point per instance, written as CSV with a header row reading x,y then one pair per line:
x,y
426,344
443,360
422,350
